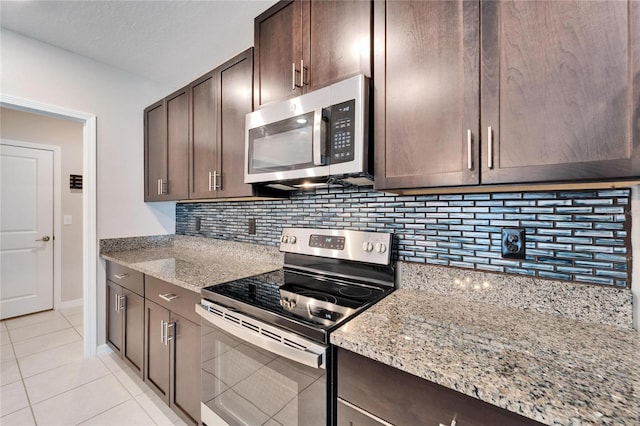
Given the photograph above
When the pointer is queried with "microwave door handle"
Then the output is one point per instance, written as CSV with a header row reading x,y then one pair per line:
x,y
318,141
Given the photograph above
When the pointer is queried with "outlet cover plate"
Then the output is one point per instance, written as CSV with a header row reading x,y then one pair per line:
x,y
513,243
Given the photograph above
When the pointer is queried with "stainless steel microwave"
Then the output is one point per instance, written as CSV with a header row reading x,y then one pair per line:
x,y
319,134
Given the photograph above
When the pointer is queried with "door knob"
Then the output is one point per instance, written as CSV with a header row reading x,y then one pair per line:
x,y
45,239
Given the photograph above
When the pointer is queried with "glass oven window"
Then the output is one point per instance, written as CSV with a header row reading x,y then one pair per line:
x,y
246,385
281,146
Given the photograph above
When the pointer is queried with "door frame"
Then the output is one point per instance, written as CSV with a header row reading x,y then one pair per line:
x,y
89,207
57,201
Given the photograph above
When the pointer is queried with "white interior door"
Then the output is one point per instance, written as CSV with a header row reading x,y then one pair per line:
x,y
26,230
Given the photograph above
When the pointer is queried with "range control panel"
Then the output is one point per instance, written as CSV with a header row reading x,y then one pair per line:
x,y
342,119
370,247
327,241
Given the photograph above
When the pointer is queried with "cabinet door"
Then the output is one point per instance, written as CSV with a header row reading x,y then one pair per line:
x,y
156,351
204,149
235,102
155,150
426,93
278,48
177,146
185,368
338,42
133,350
560,90
114,317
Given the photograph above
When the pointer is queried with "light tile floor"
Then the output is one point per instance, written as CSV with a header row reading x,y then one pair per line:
x,y
45,380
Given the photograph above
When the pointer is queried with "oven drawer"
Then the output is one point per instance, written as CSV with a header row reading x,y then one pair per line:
x,y
175,298
126,277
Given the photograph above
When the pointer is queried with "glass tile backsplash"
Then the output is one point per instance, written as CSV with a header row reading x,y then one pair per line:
x,y
581,236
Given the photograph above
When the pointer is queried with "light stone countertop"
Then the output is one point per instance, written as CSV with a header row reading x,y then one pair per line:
x,y
552,369
194,263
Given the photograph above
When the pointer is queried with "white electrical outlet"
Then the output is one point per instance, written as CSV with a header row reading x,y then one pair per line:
x,y
68,219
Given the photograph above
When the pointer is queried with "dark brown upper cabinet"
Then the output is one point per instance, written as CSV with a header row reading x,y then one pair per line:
x,y
194,139
204,136
167,148
220,101
303,45
560,91
426,93
235,101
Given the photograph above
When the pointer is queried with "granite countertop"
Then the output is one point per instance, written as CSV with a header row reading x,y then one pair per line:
x,y
194,263
549,368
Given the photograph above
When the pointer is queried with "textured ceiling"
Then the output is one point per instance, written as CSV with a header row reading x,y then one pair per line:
x,y
171,42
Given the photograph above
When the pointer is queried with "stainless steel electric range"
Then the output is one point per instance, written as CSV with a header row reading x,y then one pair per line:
x,y
266,355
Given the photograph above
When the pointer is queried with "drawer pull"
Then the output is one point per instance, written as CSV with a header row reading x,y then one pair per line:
x,y
366,413
121,276
168,297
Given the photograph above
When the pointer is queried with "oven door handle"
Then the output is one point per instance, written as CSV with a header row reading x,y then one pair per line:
x,y
272,339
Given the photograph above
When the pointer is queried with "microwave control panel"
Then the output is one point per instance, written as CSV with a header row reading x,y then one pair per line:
x,y
342,130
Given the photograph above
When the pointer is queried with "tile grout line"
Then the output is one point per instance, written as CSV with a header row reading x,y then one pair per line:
x,y
135,398
24,386
53,347
110,372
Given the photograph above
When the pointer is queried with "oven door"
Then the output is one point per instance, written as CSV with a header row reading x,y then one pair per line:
x,y
253,372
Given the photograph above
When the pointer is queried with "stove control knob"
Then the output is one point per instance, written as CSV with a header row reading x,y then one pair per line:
x,y
292,304
292,239
285,239
367,246
381,248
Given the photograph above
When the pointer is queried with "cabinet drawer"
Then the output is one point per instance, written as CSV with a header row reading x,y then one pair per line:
x,y
175,298
126,277
408,399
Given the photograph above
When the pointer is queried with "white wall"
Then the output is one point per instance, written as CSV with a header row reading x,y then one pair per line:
x,y
28,127
40,72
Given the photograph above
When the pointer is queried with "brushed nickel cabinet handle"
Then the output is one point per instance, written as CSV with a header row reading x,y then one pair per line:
x,y
490,147
168,296
168,338
210,176
122,303
293,76
117,303
469,159
159,187
162,331
217,181
121,276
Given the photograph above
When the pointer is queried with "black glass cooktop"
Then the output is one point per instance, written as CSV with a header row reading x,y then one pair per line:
x,y
314,304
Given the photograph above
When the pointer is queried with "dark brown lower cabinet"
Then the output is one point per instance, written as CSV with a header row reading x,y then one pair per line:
x,y
172,348
125,315
114,318
371,394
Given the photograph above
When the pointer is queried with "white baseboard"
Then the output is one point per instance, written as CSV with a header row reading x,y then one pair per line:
x,y
70,304
103,349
